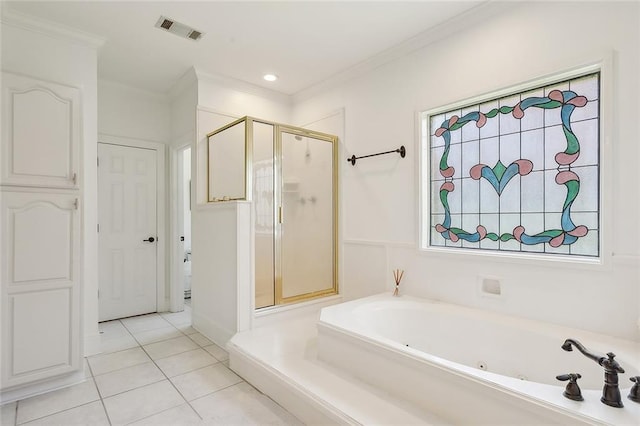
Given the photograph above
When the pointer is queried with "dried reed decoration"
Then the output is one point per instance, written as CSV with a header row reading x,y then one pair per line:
x,y
397,276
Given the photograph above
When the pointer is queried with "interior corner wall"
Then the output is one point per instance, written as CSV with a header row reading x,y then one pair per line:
x,y
65,62
183,113
132,113
518,43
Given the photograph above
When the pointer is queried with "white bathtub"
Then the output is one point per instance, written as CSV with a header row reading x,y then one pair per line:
x,y
473,367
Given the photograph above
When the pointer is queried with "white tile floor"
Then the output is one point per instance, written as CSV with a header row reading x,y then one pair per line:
x,y
154,370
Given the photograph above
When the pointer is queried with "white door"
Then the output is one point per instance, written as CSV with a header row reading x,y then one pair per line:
x,y
127,231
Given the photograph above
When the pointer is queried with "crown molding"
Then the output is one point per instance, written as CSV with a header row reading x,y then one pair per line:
x,y
469,18
186,81
243,86
48,28
149,94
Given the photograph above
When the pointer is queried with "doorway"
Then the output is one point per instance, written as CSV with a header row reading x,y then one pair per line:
x,y
184,222
127,230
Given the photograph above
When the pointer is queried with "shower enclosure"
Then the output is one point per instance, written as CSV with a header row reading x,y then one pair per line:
x,y
290,176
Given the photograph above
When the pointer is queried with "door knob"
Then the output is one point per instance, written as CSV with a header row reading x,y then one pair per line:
x,y
151,239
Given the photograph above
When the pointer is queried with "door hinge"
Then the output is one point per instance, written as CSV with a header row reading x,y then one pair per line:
x,y
280,214
98,294
98,161
75,204
98,226
74,178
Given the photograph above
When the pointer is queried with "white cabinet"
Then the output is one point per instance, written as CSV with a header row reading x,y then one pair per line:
x,y
40,226
40,133
41,286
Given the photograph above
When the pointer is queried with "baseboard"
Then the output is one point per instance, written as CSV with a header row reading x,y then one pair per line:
x,y
38,388
211,330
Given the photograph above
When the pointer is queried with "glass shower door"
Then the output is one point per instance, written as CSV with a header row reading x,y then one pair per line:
x,y
307,217
263,204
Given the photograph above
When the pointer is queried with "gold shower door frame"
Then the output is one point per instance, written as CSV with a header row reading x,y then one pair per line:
x,y
278,130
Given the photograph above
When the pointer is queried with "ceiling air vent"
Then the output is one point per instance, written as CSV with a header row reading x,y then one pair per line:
x,y
178,28
166,24
195,35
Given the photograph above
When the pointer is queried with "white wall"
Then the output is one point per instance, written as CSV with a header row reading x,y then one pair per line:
x,y
380,195
64,60
220,271
184,100
132,113
237,99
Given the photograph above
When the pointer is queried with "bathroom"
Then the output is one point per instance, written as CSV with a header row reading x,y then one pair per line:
x,y
375,107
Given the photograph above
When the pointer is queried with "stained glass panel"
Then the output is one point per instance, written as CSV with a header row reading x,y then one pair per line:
x,y
518,173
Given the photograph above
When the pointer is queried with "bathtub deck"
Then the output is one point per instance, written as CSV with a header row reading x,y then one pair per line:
x,y
281,361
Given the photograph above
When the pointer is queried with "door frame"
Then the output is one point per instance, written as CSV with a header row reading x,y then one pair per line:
x,y
176,256
161,208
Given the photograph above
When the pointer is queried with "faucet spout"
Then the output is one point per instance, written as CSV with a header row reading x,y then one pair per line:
x,y
567,346
610,391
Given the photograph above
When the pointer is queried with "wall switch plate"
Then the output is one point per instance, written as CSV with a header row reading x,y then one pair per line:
x,y
490,286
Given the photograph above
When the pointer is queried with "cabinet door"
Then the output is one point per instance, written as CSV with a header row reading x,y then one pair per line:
x,y
40,133
40,286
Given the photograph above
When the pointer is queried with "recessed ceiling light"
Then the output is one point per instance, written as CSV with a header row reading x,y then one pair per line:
x,y
270,77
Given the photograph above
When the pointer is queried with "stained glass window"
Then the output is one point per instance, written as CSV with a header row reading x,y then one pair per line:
x,y
518,173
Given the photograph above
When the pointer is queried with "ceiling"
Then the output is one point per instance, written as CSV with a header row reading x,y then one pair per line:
x,y
304,43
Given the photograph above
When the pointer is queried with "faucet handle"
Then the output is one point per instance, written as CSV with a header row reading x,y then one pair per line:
x,y
634,393
611,363
573,390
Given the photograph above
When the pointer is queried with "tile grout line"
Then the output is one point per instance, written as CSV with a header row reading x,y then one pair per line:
x,y
129,333
104,407
163,411
139,345
168,378
226,387
172,384
151,329
96,384
56,413
156,365
121,368
134,388
164,340
66,409
188,350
